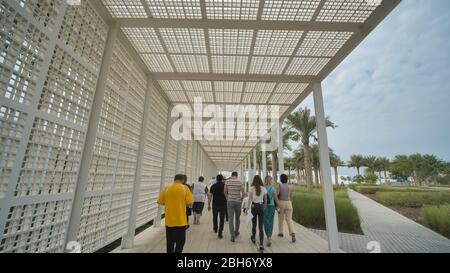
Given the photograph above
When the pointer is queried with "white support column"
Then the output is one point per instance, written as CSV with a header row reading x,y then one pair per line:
x,y
325,168
202,166
193,158
264,163
128,239
187,159
197,160
91,135
280,149
255,163
244,171
249,171
178,159
157,222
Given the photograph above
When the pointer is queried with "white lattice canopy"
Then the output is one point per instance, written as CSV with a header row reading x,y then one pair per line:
x,y
243,51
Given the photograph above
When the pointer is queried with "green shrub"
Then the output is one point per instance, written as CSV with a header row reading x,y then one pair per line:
x,y
438,218
309,210
413,199
358,179
371,178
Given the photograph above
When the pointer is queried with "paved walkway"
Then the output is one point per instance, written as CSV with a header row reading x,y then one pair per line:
x,y
395,232
201,239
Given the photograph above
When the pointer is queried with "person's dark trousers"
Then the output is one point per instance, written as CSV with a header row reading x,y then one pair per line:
x,y
258,219
176,238
219,218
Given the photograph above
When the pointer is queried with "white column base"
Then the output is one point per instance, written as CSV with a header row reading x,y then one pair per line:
x,y
127,242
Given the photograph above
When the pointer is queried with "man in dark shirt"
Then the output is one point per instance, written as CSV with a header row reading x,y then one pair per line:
x,y
219,205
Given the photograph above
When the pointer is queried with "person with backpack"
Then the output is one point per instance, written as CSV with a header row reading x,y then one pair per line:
x,y
269,211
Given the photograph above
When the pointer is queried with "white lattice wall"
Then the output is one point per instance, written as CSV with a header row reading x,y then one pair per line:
x,y
49,64
153,159
50,60
115,154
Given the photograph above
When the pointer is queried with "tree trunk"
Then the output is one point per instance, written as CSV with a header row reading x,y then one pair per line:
x,y
274,165
289,171
357,169
336,177
316,173
298,176
308,167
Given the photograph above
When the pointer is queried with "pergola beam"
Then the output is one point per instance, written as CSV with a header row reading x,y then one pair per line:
x,y
237,24
234,77
233,103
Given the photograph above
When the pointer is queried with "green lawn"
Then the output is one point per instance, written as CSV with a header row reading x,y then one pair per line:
x,y
373,189
309,210
413,199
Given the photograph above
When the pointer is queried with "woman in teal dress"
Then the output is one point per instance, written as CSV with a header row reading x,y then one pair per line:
x,y
269,212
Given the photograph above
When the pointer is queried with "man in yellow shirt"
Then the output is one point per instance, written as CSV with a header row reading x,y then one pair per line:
x,y
176,198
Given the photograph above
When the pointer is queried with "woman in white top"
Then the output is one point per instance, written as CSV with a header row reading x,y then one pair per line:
x,y
256,201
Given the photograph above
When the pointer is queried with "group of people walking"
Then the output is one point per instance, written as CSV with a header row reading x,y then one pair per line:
x,y
227,199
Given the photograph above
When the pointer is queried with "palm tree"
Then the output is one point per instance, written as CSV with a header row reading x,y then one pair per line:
x,y
299,159
381,165
357,161
315,162
303,127
290,164
371,163
385,164
287,135
336,162
426,168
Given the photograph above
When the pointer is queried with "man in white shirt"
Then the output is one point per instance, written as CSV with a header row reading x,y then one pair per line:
x,y
199,190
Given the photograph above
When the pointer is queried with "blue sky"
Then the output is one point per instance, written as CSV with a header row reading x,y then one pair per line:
x,y
392,94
